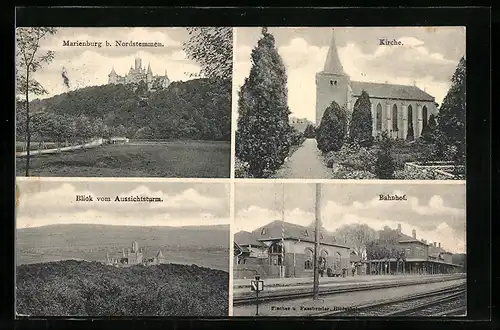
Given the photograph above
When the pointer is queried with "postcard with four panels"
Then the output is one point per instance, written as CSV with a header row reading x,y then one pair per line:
x,y
240,171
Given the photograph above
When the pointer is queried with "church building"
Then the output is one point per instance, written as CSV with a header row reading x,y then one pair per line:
x,y
395,108
139,73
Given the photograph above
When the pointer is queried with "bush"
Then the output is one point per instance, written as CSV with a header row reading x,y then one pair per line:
x,y
310,132
331,133
295,138
413,174
360,130
241,169
385,166
344,173
353,156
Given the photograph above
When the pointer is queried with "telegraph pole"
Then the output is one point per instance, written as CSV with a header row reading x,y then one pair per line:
x,y
316,240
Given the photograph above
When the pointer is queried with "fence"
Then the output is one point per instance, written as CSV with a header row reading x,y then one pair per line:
x,y
92,144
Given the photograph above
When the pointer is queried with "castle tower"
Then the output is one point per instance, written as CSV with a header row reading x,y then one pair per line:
x,y
332,84
138,64
160,258
112,76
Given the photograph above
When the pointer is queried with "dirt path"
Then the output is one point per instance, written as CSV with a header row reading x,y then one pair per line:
x,y
305,163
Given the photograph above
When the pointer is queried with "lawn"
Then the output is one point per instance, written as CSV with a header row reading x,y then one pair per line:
x,y
187,159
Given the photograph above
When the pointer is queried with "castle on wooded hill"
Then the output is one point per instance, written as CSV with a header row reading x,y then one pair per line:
x,y
396,109
138,74
135,256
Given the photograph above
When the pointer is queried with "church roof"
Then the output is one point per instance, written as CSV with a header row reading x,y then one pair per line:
x,y
332,63
390,91
149,68
273,230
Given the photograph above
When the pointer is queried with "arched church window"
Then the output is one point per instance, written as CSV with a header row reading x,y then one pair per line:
x,y
331,82
308,264
338,259
424,117
263,231
379,117
410,116
395,118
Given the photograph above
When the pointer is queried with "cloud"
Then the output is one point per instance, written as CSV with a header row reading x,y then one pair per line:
x,y
407,64
90,66
111,218
60,203
430,220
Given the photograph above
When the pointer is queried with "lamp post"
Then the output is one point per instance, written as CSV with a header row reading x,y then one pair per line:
x,y
316,240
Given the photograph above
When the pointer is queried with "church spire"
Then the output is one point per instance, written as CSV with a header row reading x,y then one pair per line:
x,y
332,63
149,68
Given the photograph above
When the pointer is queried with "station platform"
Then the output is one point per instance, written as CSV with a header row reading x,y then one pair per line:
x,y
288,282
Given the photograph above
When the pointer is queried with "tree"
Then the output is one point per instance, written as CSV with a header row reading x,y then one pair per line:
x,y
428,130
410,136
263,129
384,166
309,132
28,61
361,126
451,115
356,236
212,49
332,130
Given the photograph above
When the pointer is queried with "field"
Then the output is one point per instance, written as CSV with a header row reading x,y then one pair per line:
x,y
80,288
187,159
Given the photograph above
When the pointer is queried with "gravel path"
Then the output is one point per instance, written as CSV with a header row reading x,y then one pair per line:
x,y
305,163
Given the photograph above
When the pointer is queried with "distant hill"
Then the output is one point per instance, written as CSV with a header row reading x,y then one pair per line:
x,y
88,235
80,288
195,109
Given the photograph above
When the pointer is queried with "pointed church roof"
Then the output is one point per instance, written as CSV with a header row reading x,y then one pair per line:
x,y
159,255
112,71
332,63
149,68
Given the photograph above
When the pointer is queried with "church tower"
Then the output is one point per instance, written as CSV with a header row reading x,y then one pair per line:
x,y
332,84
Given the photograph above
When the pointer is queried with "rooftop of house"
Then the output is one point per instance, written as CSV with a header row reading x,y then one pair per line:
x,y
273,231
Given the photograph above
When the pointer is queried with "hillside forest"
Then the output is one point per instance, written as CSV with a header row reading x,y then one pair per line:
x,y
198,109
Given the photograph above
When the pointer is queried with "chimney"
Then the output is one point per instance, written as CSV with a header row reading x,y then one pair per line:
x,y
434,244
440,244
399,228
386,82
414,234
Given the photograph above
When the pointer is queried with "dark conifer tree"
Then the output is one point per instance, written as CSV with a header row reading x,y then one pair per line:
x,y
331,133
361,126
384,166
262,139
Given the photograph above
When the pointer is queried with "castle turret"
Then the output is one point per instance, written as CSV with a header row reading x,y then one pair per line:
x,y
138,64
112,76
332,84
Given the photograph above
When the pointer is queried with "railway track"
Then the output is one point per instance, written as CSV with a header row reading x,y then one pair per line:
x,y
442,302
250,300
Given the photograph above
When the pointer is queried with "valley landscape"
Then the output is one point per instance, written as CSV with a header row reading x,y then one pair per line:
x,y
61,271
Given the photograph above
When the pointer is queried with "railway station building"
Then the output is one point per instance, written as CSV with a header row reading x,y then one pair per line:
x,y
281,249
420,257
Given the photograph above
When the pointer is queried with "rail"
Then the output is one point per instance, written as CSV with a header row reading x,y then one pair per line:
x,y
399,306
238,301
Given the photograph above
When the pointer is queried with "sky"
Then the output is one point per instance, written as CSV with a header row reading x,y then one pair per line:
x,y
90,66
184,204
428,58
436,211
